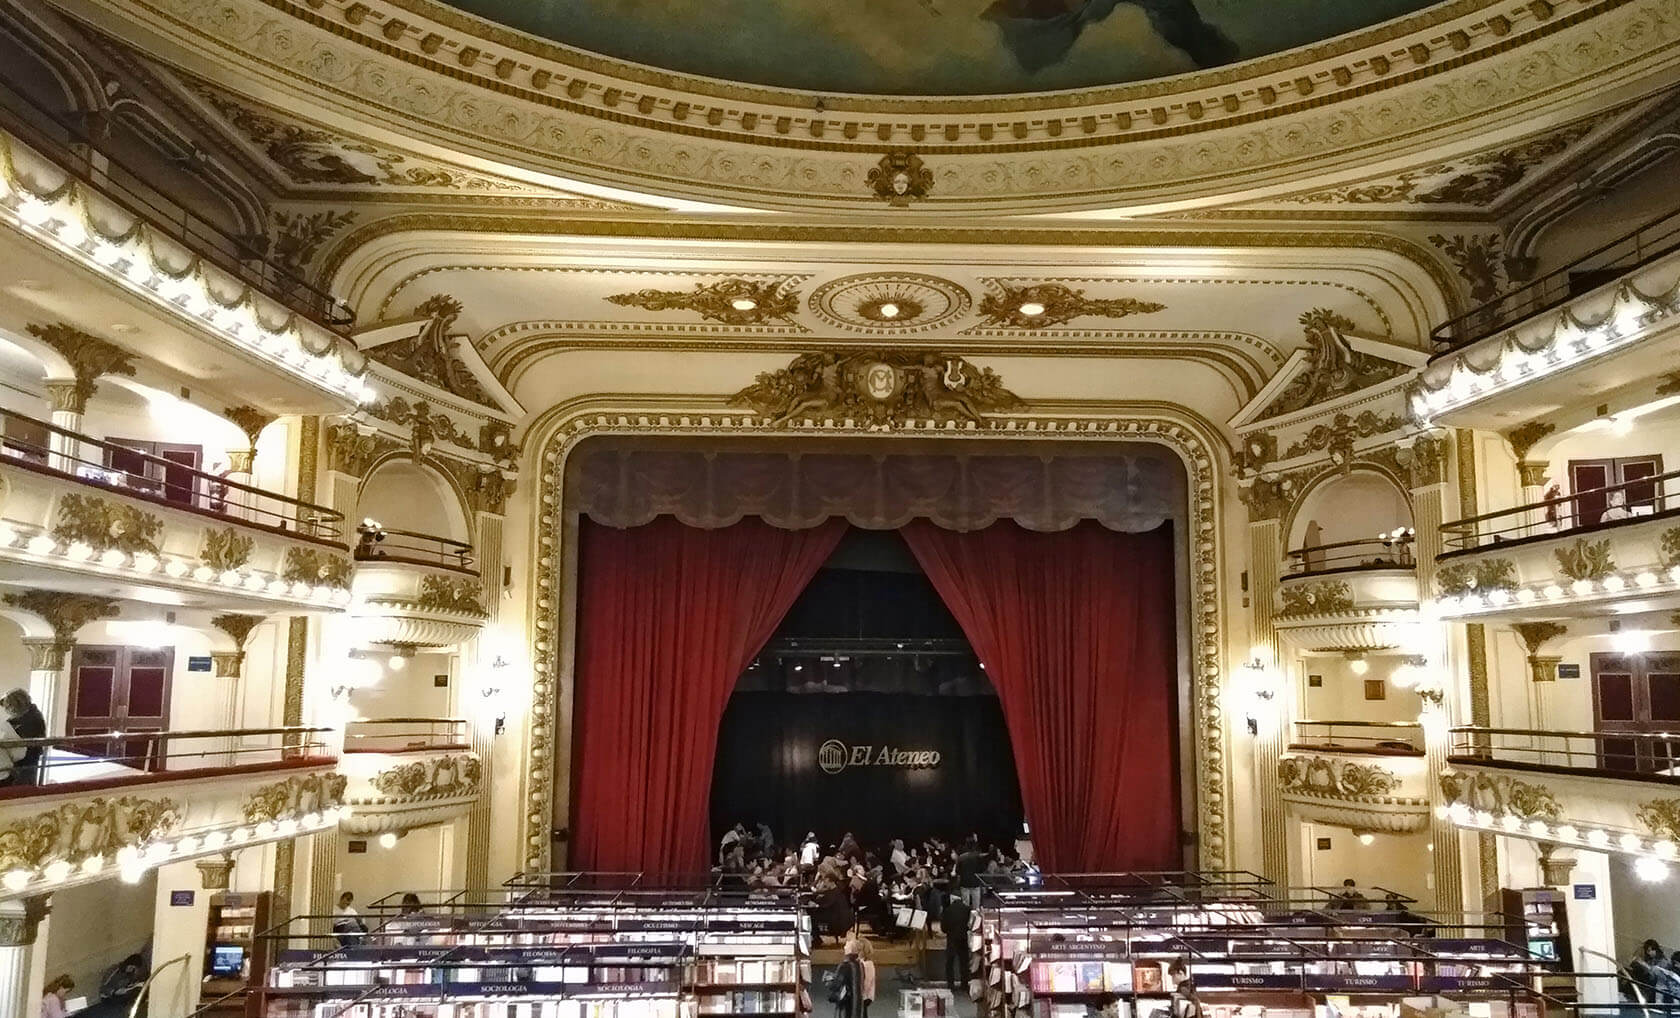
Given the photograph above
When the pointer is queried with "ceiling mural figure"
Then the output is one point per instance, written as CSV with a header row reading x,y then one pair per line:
x,y
936,47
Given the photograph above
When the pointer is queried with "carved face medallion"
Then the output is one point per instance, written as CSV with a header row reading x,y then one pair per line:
x,y
880,381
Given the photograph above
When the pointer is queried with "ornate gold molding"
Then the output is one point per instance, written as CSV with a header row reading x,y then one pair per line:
x,y
441,593
90,357
251,421
226,549
455,774
1334,368
77,831
349,451
65,613
316,568
429,355
731,301
104,524
900,178
294,797
1043,305
1326,597
1523,438
1194,441
878,389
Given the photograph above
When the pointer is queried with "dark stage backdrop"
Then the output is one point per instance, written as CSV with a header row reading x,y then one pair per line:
x,y
771,767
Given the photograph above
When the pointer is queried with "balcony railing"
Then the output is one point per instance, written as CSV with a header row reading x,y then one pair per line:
x,y
47,448
1378,738
398,735
1649,755
53,764
1580,512
1649,241
380,544
69,146
1368,553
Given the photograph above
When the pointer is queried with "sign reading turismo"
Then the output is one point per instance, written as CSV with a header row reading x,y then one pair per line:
x,y
835,756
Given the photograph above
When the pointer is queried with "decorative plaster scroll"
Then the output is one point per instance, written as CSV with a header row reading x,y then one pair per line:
x,y
1501,795
1193,442
295,796
106,524
315,568
1326,597
1586,560
429,355
432,778
440,593
1460,578
77,831
90,357
1333,369
1044,305
226,550
881,389
731,301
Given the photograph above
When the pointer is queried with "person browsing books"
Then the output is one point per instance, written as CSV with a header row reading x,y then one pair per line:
x,y
954,922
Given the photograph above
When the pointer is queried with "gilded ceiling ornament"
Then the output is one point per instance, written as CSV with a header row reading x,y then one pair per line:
x,y
878,389
104,525
226,550
1043,305
1333,367
436,777
80,830
1266,499
65,613
730,301
237,626
89,357
440,593
1535,634
1524,436
425,428
1586,560
315,568
495,439
294,797
250,420
1425,461
430,355
879,302
1661,817
900,178
1477,259
1257,449
1669,545
297,237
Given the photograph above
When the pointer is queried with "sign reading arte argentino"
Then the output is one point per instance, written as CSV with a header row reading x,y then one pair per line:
x,y
835,756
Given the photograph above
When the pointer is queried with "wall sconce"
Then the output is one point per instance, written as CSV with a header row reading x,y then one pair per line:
x,y
1257,690
491,691
360,671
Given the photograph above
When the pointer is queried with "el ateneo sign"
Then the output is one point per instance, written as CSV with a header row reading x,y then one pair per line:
x,y
835,756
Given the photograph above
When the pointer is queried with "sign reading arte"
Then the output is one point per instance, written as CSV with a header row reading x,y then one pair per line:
x,y
835,756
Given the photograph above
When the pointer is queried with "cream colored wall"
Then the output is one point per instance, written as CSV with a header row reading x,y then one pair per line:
x,y
410,691
1608,216
1397,862
404,496
94,926
1342,696
1356,507
422,860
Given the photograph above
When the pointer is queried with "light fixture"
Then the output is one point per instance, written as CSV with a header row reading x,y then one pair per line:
x,y
1631,641
743,304
396,662
15,880
1357,663
388,839
1367,838
889,310
1032,309
1650,870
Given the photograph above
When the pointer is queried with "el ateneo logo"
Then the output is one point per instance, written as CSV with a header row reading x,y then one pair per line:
x,y
835,756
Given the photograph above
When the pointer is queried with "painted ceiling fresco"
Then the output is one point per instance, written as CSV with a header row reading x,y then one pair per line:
x,y
936,47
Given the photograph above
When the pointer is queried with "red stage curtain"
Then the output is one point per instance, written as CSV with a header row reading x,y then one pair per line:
x,y
1076,630
668,618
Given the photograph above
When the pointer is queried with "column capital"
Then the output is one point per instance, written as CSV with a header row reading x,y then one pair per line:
x,y
89,356
215,874
1533,472
65,396
20,920
239,460
230,664
1556,865
47,653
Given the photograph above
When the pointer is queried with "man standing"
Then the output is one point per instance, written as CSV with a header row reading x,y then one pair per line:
x,y
954,923
970,864
899,858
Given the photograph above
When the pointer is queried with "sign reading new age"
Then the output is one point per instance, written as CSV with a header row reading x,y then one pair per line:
x,y
835,756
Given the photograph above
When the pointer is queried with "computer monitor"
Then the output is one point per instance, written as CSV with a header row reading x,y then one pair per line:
x,y
227,960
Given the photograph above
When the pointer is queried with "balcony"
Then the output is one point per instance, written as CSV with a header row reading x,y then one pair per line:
x,y
119,803
1350,595
1594,326
1566,557
1367,776
408,772
1603,790
415,590
209,306
93,512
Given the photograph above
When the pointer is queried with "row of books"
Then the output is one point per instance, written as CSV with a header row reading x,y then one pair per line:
x,y
725,971
1085,976
749,1002
630,1007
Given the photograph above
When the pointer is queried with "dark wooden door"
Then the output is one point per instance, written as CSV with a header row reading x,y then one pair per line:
x,y
124,691
1638,694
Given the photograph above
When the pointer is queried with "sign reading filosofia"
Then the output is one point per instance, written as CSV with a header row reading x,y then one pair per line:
x,y
835,756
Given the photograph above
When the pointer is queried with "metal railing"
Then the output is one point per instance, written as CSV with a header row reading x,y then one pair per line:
x,y
376,543
1366,553
1391,738
139,755
1591,508
69,146
47,448
1652,755
1649,241
396,735
182,960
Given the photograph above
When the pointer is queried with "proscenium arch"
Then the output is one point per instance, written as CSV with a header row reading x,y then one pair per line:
x,y
551,600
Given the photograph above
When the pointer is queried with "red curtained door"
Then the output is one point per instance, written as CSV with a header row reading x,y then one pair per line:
x,y
668,617
1076,629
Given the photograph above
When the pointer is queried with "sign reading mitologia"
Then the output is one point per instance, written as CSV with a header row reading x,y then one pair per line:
x,y
835,756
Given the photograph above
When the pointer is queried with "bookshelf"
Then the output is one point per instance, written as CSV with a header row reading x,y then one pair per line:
x,y
235,955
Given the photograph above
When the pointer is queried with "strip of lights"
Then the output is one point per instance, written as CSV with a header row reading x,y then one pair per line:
x,y
1564,343
1481,602
43,548
1655,853
131,254
133,861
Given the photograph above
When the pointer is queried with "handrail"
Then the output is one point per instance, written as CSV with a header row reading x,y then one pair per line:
x,y
134,1008
233,254
1651,756
243,991
1400,732
176,486
1643,493
1622,973
1621,255
452,735
132,754
379,543
205,733
1390,551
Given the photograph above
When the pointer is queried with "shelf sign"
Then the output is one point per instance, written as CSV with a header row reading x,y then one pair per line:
x,y
1586,892
181,899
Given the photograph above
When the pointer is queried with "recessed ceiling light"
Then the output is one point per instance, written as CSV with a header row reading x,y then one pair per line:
x,y
889,310
1032,309
743,304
